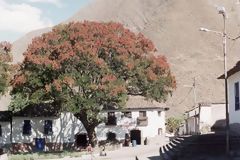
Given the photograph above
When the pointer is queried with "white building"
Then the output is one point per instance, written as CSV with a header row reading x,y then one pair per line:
x,y
40,128
233,93
204,118
140,119
233,97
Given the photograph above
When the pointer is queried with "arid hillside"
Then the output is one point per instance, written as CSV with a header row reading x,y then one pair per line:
x,y
173,25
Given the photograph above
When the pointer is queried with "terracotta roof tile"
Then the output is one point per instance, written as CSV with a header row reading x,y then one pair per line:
x,y
140,102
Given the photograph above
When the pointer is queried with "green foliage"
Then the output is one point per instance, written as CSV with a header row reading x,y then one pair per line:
x,y
173,124
20,101
5,67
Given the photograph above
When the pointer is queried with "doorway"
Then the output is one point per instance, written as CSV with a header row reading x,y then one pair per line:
x,y
81,140
39,144
136,135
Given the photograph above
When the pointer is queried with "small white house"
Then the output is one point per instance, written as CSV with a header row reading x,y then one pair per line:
x,y
233,76
233,92
204,118
140,118
38,128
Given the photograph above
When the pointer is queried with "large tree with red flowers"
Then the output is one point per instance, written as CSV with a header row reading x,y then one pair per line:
x,y
84,67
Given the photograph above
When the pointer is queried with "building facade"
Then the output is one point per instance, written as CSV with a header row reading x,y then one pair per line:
x,y
233,87
45,132
39,129
233,98
140,119
205,118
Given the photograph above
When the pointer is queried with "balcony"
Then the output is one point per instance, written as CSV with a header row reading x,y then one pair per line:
x,y
142,121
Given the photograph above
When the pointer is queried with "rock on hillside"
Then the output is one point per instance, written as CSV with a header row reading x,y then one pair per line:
x,y
173,26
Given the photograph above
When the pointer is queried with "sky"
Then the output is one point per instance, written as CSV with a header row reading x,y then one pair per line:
x,y
18,17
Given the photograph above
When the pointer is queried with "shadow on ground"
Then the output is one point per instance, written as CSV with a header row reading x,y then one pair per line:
x,y
154,158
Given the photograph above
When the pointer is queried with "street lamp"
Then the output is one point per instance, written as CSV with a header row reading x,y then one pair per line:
x,y
222,11
208,30
204,29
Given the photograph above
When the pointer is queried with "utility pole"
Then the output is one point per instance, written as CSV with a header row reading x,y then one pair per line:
x,y
193,86
225,77
194,92
222,11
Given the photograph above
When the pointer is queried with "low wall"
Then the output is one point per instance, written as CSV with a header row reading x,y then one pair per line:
x,y
49,147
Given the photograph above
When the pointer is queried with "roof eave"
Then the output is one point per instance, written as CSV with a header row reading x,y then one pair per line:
x,y
137,109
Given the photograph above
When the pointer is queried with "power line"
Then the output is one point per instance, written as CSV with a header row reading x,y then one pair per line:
x,y
185,97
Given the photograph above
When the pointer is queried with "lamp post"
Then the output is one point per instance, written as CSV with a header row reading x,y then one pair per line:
x,y
222,11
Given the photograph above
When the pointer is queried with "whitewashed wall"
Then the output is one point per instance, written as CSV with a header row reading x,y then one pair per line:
x,y
66,126
191,126
6,133
218,112
120,129
205,118
64,129
193,112
183,129
192,122
154,122
233,115
125,125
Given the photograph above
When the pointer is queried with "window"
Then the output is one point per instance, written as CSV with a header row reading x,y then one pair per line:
x,y
142,120
0,131
111,120
236,90
159,113
142,114
160,131
48,127
127,114
111,136
27,127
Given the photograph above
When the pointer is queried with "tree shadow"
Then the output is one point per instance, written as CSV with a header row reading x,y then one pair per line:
x,y
119,129
219,126
154,158
64,125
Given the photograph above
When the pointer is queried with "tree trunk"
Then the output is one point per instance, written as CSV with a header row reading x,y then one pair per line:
x,y
90,128
92,135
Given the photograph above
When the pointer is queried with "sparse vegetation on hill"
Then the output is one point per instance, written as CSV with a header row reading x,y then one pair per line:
x,y
173,26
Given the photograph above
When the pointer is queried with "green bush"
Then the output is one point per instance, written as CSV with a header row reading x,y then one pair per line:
x,y
173,124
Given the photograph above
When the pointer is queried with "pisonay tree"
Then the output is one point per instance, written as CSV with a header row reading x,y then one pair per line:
x,y
84,67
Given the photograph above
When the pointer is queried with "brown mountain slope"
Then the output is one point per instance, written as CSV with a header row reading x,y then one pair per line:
x,y
173,26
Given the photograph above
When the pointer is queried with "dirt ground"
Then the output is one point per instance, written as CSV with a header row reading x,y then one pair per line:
x,y
143,152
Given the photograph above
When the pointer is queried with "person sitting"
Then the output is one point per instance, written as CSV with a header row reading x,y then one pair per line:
x,y
89,148
102,152
127,140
